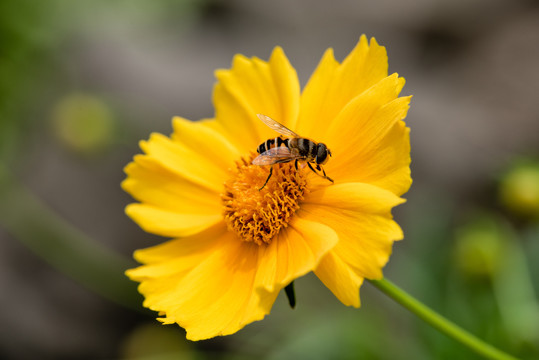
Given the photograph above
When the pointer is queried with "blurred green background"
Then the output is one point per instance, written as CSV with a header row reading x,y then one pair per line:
x,y
82,81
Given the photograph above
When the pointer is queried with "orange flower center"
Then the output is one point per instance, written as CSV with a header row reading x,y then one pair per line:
x,y
259,214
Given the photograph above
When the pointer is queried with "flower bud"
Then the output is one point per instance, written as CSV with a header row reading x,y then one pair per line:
x,y
84,123
519,189
480,246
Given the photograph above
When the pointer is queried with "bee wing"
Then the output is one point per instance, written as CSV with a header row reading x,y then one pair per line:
x,y
281,129
275,155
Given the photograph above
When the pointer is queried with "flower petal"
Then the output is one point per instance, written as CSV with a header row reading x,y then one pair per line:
x,y
168,223
253,87
295,252
185,162
358,197
178,255
370,115
376,145
203,137
151,183
387,164
213,294
333,85
340,278
366,232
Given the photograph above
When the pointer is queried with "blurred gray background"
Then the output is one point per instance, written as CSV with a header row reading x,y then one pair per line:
x,y
472,66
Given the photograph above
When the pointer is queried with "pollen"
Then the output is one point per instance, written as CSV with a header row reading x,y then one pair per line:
x,y
257,215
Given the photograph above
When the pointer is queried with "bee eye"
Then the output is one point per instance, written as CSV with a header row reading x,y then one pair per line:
x,y
321,153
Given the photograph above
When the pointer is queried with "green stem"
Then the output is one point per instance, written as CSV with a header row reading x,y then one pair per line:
x,y
439,322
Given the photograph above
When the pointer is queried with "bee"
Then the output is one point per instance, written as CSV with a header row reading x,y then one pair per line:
x,y
290,148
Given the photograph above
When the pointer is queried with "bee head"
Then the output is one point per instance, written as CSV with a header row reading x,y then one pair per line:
x,y
322,153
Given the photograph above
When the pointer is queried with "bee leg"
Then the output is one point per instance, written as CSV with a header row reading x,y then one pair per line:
x,y
325,176
270,173
296,164
311,167
319,168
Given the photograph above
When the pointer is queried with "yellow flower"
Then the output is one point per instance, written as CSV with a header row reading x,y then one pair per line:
x,y
234,246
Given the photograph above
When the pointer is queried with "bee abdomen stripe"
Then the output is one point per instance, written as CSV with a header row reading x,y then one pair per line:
x,y
266,145
270,143
281,141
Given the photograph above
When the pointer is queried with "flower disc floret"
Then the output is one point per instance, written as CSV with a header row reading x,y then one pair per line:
x,y
256,214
